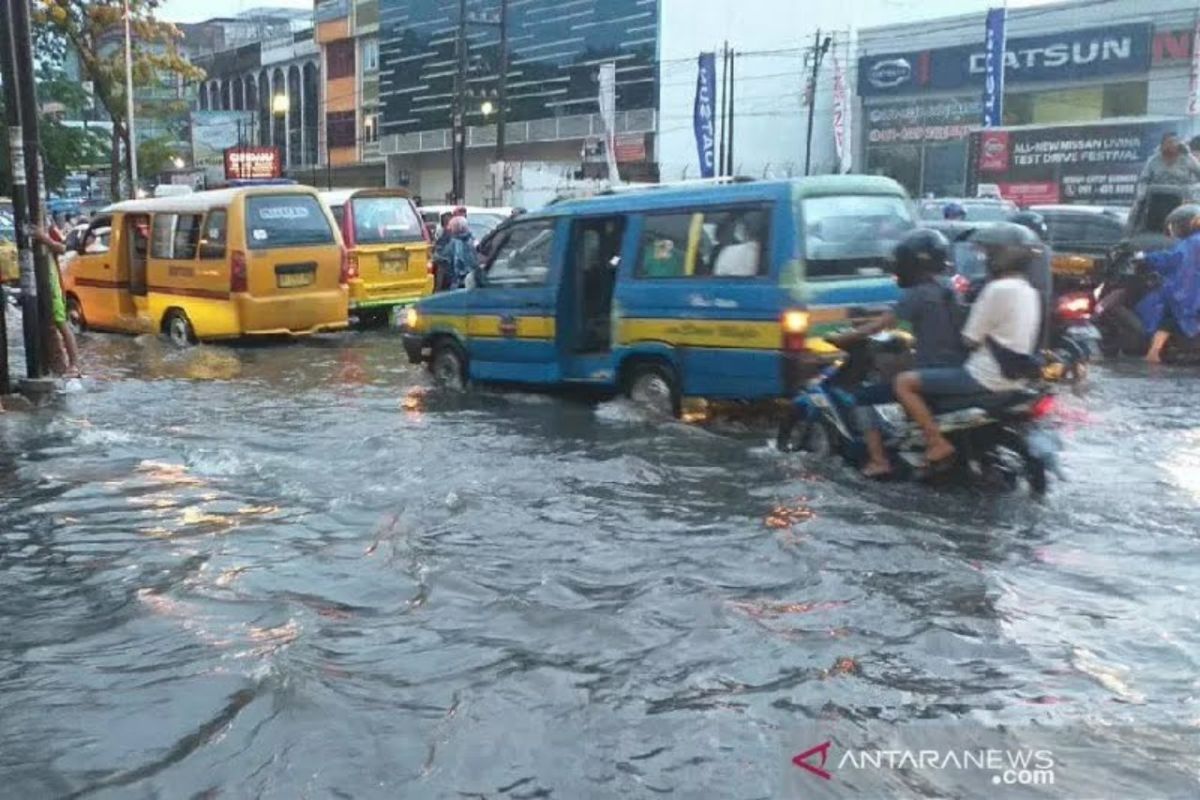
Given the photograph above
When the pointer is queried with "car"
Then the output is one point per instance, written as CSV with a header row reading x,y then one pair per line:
x,y
979,209
1080,238
9,270
481,219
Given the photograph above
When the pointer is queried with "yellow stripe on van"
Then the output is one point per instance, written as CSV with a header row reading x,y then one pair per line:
x,y
489,326
428,323
734,333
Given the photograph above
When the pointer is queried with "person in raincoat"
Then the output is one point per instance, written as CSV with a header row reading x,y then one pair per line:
x,y
461,253
1174,307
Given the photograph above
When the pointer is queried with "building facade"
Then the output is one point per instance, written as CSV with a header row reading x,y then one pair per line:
x,y
347,34
555,49
920,87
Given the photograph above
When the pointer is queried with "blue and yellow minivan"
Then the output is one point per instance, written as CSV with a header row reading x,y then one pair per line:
x,y
717,291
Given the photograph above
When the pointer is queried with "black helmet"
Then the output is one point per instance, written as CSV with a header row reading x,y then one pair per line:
x,y
921,252
1007,247
1032,220
1183,221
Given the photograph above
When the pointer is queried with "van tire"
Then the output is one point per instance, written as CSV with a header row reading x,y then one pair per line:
x,y
75,316
178,328
654,386
448,364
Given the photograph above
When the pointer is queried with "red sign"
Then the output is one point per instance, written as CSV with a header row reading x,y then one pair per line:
x,y
630,147
1030,193
993,151
252,162
1171,46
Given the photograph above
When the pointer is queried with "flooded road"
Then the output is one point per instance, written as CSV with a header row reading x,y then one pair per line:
x,y
298,571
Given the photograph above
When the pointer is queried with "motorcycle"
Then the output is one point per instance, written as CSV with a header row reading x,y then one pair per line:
x,y
1127,280
998,437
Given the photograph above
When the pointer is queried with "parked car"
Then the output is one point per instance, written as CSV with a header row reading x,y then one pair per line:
x,y
979,209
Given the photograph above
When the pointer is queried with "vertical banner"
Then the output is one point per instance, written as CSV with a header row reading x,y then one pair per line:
x,y
608,115
841,117
1194,87
704,114
993,69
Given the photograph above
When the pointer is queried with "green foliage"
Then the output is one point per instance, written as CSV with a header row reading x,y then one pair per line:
x,y
155,156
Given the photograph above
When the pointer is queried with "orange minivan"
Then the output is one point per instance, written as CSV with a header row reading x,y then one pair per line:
x,y
389,247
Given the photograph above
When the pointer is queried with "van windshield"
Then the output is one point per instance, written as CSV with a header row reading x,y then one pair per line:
x,y
852,235
385,220
286,220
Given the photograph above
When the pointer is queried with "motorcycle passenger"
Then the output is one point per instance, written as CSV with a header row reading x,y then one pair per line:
x,y
953,211
1002,327
1174,307
921,258
1041,273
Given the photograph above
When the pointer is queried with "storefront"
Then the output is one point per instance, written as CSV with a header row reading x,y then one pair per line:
x,y
918,106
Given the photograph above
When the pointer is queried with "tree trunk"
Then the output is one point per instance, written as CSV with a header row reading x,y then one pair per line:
x,y
115,165
129,162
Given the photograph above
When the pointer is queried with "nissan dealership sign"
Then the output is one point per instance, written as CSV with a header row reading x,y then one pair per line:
x,y
1067,56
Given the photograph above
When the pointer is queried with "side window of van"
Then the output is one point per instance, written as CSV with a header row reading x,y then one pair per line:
x,y
212,238
187,236
162,235
523,257
722,242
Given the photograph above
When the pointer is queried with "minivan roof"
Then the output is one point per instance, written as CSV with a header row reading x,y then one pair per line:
x,y
200,201
338,197
668,196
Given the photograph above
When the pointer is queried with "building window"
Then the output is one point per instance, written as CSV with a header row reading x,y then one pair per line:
x,y
370,55
339,128
339,59
370,128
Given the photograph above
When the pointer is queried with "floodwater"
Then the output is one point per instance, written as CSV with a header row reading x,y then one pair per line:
x,y
299,571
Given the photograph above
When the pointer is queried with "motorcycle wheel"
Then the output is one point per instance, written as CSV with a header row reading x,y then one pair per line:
x,y
1129,334
797,433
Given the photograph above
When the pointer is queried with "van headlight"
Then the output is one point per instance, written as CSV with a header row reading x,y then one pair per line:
x,y
412,318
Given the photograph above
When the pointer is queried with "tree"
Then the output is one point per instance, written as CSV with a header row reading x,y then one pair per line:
x,y
156,155
94,30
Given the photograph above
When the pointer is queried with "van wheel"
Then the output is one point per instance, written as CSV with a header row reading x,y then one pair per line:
x,y
179,329
449,365
654,388
75,316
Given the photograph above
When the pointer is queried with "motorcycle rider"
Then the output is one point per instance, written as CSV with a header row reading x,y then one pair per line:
x,y
933,311
1174,307
1002,327
954,210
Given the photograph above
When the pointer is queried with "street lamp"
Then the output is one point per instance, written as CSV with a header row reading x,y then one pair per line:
x,y
487,108
279,104
178,162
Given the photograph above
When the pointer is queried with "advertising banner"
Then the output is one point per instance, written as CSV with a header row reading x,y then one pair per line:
x,y
704,113
1194,86
252,162
1096,164
213,132
922,121
841,117
1058,57
608,114
993,68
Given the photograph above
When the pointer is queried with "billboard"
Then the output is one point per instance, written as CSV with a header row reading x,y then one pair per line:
x,y
213,132
252,162
1058,57
1093,164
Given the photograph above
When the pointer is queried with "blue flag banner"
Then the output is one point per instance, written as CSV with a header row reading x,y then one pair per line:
x,y
993,69
704,114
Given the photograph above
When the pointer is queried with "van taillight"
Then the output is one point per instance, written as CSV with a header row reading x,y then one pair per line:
x,y
795,329
237,272
349,266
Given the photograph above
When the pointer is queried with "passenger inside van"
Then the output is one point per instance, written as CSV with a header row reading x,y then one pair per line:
x,y
738,251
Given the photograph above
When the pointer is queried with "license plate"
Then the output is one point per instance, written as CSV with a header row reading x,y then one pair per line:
x,y
292,280
394,264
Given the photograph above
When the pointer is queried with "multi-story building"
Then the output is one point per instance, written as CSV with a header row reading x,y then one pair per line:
x,y
555,50
347,34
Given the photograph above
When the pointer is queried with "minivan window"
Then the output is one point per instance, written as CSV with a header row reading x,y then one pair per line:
x,y
385,220
187,236
163,235
848,235
286,220
721,242
523,256
212,243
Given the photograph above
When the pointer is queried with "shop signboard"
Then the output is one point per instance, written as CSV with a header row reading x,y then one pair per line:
x,y
948,120
1067,56
252,162
1092,164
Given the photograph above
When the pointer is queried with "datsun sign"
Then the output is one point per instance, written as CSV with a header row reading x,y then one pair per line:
x,y
1067,56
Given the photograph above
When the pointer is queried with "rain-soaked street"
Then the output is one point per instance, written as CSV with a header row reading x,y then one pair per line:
x,y
299,571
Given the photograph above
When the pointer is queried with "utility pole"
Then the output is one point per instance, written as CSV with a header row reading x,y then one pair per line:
x,y
32,148
502,94
724,104
458,143
819,49
732,94
133,169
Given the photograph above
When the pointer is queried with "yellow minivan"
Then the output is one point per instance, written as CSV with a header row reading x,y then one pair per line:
x,y
390,263
247,261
